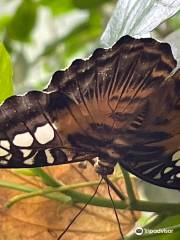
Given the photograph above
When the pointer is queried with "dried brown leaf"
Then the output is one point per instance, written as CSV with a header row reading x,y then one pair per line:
x,y
41,218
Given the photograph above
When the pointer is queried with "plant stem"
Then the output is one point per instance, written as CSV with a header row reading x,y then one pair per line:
x,y
129,187
77,197
46,178
60,197
158,207
46,192
138,205
16,186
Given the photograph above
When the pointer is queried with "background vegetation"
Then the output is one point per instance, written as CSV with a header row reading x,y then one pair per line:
x,y
38,38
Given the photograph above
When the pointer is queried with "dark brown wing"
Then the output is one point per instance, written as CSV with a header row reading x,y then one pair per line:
x,y
154,154
28,137
102,93
111,86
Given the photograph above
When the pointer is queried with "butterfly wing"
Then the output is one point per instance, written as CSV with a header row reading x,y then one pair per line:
x,y
83,105
28,137
108,89
154,154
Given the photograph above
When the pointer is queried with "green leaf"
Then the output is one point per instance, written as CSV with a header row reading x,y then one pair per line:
x,y
23,21
89,33
6,71
4,20
57,7
174,22
168,223
24,171
45,177
89,4
89,30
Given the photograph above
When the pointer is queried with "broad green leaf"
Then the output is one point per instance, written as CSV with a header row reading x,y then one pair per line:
x,y
6,86
23,21
137,18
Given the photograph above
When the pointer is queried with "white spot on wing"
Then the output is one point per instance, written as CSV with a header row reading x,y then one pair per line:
x,y
176,156
168,169
26,152
178,175
177,164
158,176
8,157
44,134
5,144
29,161
3,162
50,158
23,140
3,152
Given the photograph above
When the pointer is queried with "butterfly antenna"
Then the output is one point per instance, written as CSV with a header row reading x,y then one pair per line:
x,y
82,209
115,211
115,189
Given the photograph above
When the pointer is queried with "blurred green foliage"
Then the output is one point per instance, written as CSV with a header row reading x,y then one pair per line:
x,y
71,29
57,7
168,223
174,23
171,25
23,21
5,74
19,30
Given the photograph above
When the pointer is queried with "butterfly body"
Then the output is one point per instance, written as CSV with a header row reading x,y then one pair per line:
x,y
122,105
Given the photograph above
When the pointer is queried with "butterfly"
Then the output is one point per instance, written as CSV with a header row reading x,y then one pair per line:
x,y
122,105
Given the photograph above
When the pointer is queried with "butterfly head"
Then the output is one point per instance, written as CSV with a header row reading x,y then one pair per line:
x,y
104,167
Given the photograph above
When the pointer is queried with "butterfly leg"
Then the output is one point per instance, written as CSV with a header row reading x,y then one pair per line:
x,y
114,188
